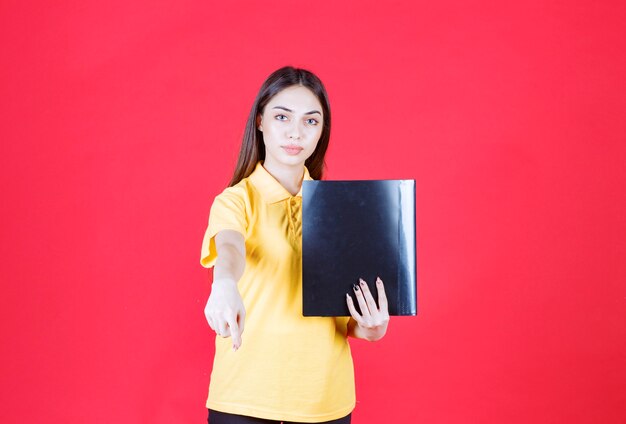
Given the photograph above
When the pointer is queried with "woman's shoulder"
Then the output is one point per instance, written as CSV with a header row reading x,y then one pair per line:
x,y
238,192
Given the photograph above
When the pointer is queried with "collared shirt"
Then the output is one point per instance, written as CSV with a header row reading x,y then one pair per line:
x,y
289,367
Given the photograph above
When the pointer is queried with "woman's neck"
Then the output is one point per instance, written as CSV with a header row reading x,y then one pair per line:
x,y
290,177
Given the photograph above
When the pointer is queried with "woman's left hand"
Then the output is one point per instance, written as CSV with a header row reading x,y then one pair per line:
x,y
371,323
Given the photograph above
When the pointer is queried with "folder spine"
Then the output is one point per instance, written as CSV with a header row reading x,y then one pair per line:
x,y
407,278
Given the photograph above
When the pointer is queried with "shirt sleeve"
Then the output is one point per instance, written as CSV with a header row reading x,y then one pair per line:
x,y
228,212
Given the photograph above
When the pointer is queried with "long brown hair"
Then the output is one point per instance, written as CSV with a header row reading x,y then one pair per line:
x,y
252,146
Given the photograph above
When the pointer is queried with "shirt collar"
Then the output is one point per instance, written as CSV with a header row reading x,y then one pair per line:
x,y
271,190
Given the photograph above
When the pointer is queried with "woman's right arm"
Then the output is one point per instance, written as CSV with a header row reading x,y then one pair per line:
x,y
224,310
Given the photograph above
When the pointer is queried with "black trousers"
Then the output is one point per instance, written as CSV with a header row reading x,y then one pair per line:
x,y
217,417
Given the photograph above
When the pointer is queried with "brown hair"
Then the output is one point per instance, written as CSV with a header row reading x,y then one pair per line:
x,y
252,146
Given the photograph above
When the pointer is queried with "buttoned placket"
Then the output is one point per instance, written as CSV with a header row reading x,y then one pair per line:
x,y
293,214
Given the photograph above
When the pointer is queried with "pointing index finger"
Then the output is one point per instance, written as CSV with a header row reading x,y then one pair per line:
x,y
234,332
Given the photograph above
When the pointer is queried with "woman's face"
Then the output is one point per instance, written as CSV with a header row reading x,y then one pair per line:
x,y
292,124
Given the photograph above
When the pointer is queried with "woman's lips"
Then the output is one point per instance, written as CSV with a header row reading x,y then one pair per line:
x,y
292,150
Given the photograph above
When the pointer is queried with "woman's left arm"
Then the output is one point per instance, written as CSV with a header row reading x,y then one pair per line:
x,y
371,323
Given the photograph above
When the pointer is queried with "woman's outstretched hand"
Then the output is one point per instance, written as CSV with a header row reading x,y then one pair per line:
x,y
224,310
371,323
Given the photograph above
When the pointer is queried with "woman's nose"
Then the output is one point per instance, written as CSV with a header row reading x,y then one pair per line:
x,y
294,132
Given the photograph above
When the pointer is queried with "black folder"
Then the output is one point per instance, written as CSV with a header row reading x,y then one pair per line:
x,y
358,229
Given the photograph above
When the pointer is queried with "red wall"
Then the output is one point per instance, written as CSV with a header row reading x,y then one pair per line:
x,y
120,121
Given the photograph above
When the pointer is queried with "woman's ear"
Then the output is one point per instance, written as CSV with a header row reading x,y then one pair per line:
x,y
258,123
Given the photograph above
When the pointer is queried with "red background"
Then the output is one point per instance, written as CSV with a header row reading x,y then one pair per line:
x,y
121,121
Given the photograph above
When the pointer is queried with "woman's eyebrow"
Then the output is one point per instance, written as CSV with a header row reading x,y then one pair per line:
x,y
289,110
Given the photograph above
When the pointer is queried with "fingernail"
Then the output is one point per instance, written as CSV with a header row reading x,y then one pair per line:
x,y
356,288
378,280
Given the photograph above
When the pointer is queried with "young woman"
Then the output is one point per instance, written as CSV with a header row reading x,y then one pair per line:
x,y
288,367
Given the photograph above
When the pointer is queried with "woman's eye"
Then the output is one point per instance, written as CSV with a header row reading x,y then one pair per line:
x,y
281,117
311,121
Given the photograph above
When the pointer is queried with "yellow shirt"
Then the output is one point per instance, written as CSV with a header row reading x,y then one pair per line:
x,y
289,367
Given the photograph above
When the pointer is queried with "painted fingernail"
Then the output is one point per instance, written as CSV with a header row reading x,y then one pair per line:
x,y
356,288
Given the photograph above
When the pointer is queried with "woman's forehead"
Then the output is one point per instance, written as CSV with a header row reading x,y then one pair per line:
x,y
296,98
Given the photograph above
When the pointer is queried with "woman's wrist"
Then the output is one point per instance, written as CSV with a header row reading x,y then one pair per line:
x,y
225,281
